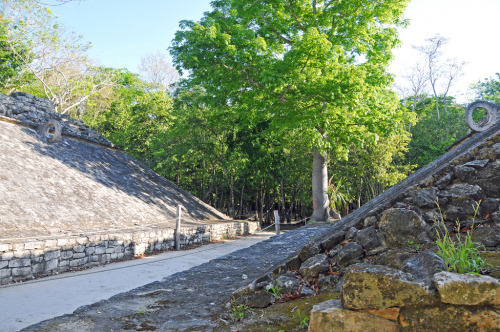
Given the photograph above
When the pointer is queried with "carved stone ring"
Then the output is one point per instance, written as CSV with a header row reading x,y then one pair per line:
x,y
486,120
51,130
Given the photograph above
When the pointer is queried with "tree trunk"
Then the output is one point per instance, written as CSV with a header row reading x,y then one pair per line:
x,y
231,197
240,212
283,203
321,203
215,196
261,207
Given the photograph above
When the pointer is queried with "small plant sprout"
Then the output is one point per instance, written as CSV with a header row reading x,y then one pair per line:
x,y
462,254
415,245
239,310
276,290
303,320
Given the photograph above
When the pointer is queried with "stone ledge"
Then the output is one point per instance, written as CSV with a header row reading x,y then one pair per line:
x,y
26,260
330,316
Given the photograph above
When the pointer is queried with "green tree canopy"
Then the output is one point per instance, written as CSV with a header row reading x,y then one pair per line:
x,y
315,69
488,90
10,65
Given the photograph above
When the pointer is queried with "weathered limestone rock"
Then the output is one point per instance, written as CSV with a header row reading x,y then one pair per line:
x,y
332,241
469,207
309,250
370,221
444,181
453,213
496,217
431,216
401,226
306,292
496,147
477,163
462,191
465,173
449,318
393,258
389,313
329,316
490,205
253,296
351,232
424,266
259,299
425,198
368,238
380,287
20,262
328,282
467,289
488,236
349,254
52,255
314,265
288,282
487,153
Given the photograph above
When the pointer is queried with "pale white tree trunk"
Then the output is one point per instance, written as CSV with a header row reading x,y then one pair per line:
x,y
321,203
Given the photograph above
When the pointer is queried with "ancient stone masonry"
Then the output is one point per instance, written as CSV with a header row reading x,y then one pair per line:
x,y
67,204
378,298
24,260
382,258
36,111
388,280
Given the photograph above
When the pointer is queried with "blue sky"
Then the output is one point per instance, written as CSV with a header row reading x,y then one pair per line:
x,y
121,31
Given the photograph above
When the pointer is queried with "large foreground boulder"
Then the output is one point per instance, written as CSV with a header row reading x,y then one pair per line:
x,y
329,316
449,318
381,287
467,289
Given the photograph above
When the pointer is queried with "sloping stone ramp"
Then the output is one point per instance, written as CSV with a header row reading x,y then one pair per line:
x,y
74,186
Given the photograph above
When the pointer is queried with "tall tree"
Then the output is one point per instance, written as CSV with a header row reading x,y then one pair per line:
x,y
57,58
441,75
157,70
314,69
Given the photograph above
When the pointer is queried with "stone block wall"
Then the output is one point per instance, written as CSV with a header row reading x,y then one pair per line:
x,y
23,260
34,111
377,298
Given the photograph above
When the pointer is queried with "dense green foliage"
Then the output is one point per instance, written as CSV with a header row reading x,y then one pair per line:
x,y
269,83
11,76
134,118
489,89
431,136
312,71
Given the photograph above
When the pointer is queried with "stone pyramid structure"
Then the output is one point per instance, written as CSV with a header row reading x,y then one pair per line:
x,y
70,199
78,185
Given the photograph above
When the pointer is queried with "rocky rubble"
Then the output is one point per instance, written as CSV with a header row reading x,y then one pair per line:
x,y
35,111
385,259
